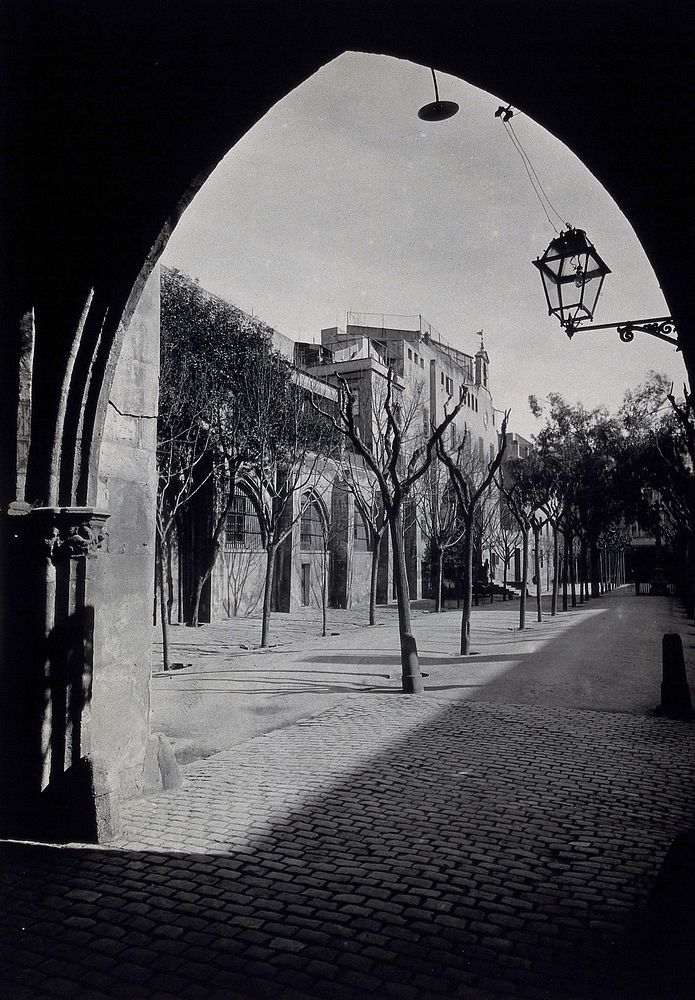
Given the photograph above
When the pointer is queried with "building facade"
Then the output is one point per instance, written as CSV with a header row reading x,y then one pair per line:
x,y
518,448
431,375
329,547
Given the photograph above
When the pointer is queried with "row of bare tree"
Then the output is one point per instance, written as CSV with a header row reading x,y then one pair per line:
x,y
232,406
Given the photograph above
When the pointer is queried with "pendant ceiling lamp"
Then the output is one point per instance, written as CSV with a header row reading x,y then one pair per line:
x,y
437,111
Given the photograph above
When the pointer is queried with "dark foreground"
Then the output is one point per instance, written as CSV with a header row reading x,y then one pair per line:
x,y
390,847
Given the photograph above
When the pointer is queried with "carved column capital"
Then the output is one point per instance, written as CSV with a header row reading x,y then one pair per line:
x,y
66,532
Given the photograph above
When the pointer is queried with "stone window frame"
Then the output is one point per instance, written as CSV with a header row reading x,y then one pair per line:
x,y
362,539
242,530
311,527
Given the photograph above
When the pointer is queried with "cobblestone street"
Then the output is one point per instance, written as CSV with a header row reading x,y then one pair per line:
x,y
389,846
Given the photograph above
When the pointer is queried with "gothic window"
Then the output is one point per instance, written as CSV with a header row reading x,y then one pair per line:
x,y
311,533
242,530
362,537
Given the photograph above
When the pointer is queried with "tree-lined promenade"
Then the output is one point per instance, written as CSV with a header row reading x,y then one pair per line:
x,y
604,655
234,408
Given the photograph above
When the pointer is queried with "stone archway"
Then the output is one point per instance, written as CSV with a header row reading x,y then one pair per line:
x,y
119,117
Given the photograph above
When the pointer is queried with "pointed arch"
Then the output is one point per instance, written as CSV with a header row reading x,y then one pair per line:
x,y
243,531
313,523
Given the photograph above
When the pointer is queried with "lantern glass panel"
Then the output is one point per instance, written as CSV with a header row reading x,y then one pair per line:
x,y
592,288
572,274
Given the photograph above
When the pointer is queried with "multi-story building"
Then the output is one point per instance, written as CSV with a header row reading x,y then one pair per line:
x,y
330,538
428,373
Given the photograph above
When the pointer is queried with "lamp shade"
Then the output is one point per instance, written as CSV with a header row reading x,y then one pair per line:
x,y
572,274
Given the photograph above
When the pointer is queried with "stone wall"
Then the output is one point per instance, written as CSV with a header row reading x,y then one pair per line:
x,y
124,570
237,584
360,578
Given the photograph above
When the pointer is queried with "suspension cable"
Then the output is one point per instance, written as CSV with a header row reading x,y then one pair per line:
x,y
535,181
511,128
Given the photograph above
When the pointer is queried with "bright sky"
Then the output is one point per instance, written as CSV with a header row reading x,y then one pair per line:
x,y
340,198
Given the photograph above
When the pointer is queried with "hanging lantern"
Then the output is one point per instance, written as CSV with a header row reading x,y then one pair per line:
x,y
572,274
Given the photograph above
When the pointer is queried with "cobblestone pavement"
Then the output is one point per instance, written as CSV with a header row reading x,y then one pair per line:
x,y
392,846
603,656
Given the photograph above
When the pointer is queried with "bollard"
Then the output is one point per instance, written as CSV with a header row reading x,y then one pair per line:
x,y
675,693
412,678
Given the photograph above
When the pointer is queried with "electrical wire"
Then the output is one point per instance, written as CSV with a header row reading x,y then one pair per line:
x,y
533,177
536,185
511,128
533,184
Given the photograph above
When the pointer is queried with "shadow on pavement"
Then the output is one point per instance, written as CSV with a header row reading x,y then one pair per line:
x,y
468,847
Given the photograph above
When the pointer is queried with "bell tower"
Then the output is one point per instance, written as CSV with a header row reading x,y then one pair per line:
x,y
482,363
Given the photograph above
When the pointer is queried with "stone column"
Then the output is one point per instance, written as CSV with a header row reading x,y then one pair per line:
x,y
64,793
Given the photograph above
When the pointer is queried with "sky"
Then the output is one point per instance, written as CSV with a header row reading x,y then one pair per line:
x,y
341,198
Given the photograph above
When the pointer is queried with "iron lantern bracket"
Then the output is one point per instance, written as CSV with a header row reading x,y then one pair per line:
x,y
663,327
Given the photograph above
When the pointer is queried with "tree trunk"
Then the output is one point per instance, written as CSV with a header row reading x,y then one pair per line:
x,y
411,676
537,570
573,572
197,594
556,572
565,567
267,593
467,586
438,560
583,596
209,564
376,551
170,584
504,580
162,603
594,561
524,578
324,593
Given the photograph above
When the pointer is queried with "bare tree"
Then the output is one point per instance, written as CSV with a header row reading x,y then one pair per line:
x,y
487,527
361,482
471,478
504,542
554,509
520,514
291,449
538,522
206,426
184,431
439,520
329,529
394,448
182,443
